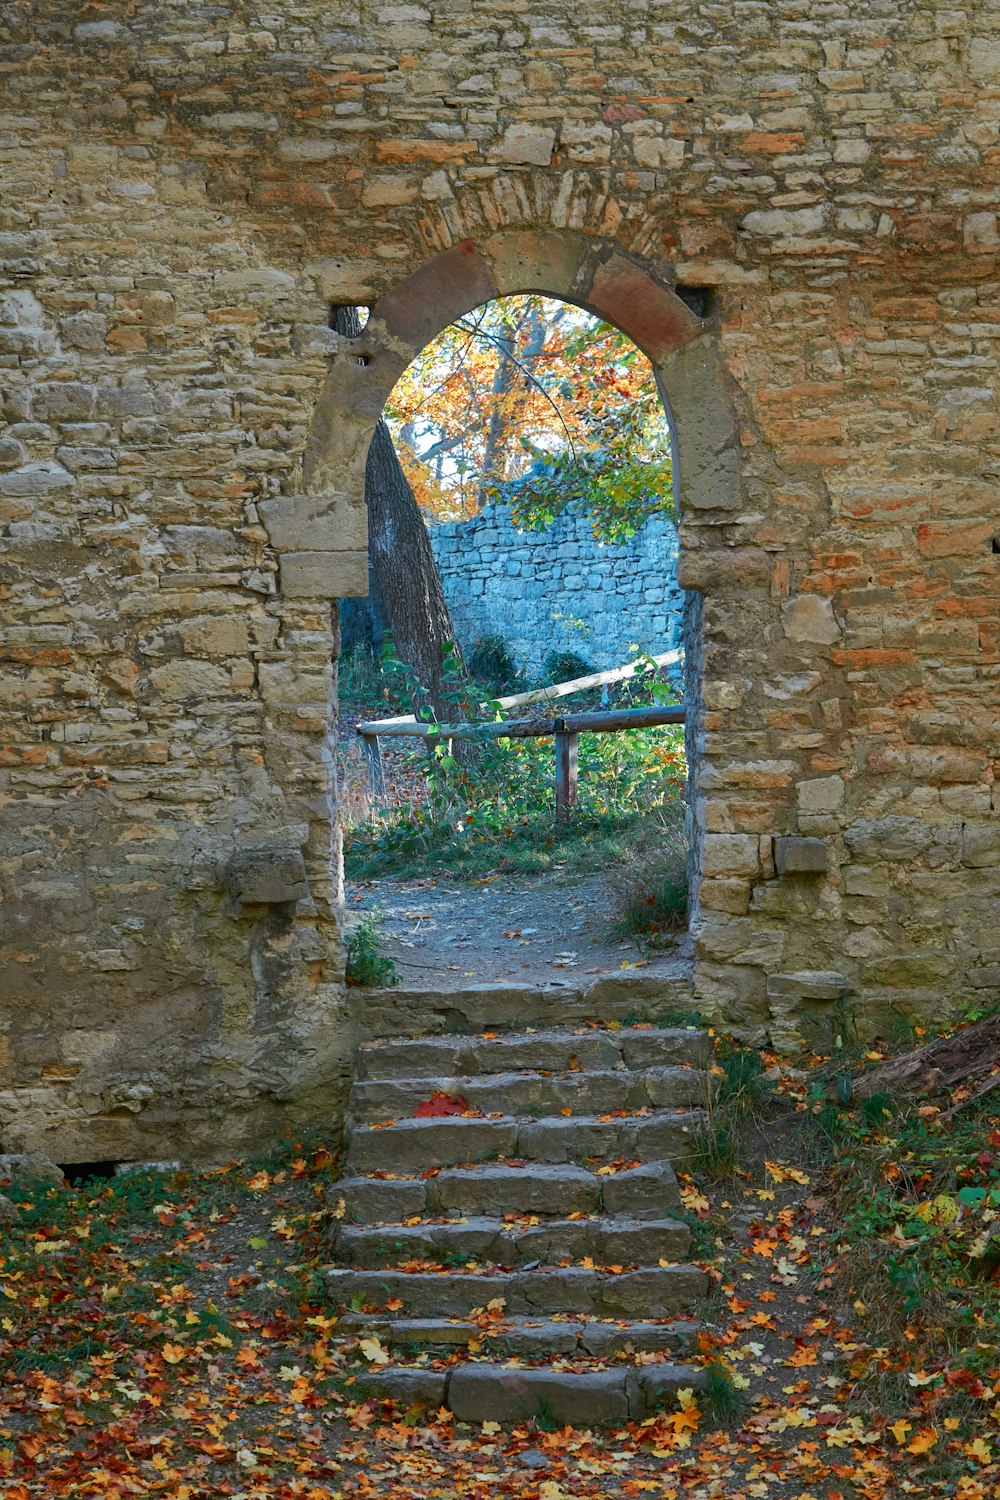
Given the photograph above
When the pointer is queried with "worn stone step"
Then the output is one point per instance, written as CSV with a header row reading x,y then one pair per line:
x,y
410,1011
523,1336
537,1094
555,1050
478,1391
651,1292
553,1190
413,1146
608,1241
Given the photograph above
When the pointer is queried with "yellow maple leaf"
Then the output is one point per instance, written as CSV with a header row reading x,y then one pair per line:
x,y
373,1351
259,1182
900,1429
173,1353
765,1247
685,1420
980,1450
923,1442
695,1201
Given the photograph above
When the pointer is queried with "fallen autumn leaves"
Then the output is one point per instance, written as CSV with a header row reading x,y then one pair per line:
x,y
168,1335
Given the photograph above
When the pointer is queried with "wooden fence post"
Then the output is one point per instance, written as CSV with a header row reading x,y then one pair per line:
x,y
566,781
376,770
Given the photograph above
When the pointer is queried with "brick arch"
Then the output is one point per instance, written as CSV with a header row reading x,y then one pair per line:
x,y
591,271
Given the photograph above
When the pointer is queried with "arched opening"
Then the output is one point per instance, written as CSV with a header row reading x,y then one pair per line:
x,y
597,276
522,572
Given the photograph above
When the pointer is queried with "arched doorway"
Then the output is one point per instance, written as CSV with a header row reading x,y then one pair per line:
x,y
329,521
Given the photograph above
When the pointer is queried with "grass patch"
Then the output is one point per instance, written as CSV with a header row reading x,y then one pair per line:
x,y
721,1401
742,1095
916,1254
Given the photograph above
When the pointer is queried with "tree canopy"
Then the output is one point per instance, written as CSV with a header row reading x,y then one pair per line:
x,y
537,404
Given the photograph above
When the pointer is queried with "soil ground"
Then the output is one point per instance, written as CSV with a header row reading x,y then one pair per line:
x,y
539,929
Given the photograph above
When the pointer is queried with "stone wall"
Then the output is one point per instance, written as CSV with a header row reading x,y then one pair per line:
x,y
560,589
186,188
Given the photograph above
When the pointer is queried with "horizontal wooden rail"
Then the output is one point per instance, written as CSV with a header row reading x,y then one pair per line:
x,y
566,730
603,721
573,685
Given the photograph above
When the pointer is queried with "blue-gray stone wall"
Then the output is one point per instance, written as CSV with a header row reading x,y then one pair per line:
x,y
560,589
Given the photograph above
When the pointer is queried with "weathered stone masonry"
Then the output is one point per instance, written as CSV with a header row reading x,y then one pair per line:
x,y
185,190
559,589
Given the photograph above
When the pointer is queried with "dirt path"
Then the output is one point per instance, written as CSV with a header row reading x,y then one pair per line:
x,y
541,929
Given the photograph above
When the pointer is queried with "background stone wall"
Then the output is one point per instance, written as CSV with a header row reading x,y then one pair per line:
x,y
185,188
560,589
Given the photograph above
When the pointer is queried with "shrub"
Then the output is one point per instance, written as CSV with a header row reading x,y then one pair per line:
x,y
491,662
563,666
366,964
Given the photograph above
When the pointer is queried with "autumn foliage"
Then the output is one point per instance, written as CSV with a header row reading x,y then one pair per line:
x,y
536,403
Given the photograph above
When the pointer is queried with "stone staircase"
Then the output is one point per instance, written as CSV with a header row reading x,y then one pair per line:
x,y
516,1258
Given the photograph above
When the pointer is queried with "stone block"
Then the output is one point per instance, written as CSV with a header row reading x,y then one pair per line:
x,y
731,896
324,575
268,875
646,1191
810,619
794,855
730,854
43,478
656,319
406,1385
823,795
485,1392
30,1166
313,523
981,844
373,1200
808,985
891,840
524,144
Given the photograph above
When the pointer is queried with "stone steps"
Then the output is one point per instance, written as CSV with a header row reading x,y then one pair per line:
x,y
481,1391
652,1292
492,1242
531,1245
555,1050
549,1189
596,1338
407,1011
414,1146
537,1094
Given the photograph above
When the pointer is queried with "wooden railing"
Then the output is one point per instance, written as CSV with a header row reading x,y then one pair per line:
x,y
566,729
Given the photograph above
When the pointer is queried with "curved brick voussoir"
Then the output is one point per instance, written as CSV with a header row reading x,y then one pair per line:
x,y
652,315
439,293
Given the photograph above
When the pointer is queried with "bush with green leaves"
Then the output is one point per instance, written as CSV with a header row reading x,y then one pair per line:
x,y
366,963
490,804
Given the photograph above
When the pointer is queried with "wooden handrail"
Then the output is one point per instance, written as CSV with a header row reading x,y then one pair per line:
x,y
564,689
566,731
601,722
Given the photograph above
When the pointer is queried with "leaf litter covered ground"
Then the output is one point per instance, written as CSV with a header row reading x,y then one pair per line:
x,y
167,1334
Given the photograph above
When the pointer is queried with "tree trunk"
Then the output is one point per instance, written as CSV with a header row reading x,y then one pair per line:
x,y
402,562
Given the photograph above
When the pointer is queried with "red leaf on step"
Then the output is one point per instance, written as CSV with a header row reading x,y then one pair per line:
x,y
439,1105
